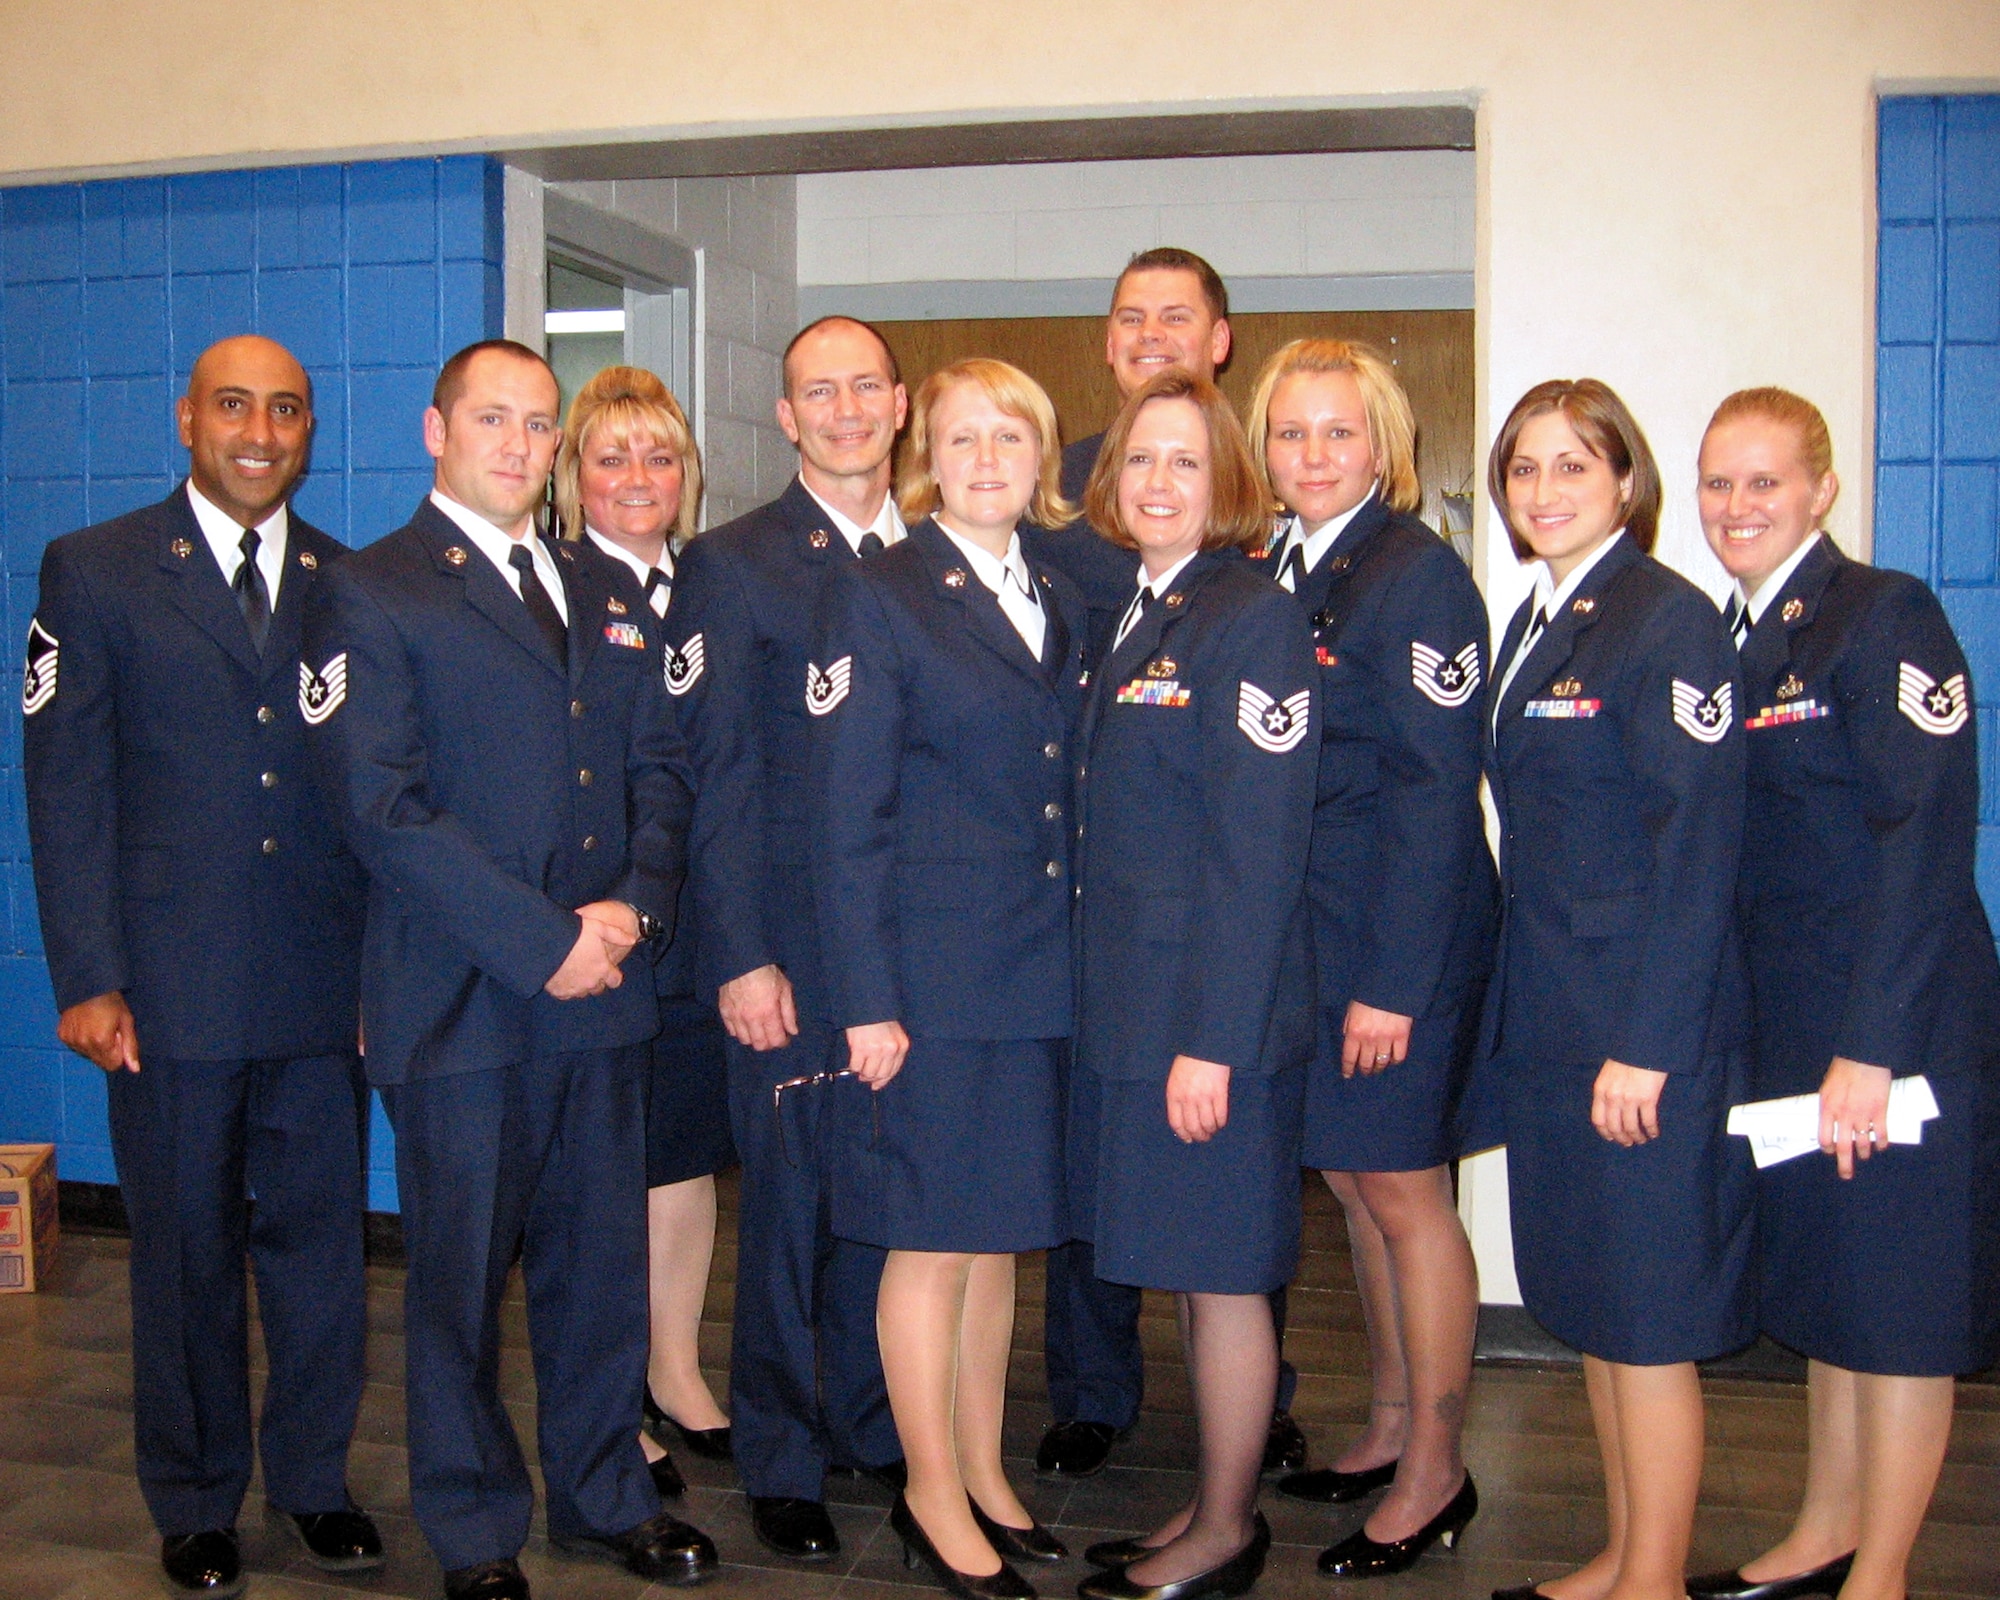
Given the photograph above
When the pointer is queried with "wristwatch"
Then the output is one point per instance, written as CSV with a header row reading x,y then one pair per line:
x,y
650,926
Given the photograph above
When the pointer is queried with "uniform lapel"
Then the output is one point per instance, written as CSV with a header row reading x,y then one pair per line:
x,y
198,589
953,577
586,593
815,539
1559,639
1767,653
1340,561
281,644
485,590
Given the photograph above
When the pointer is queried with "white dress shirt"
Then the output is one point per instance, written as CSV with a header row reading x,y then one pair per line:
x,y
1012,585
225,537
887,526
1315,545
1153,586
496,546
656,598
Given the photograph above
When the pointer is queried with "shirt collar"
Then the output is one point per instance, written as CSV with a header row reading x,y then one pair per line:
x,y
1775,584
992,570
640,570
225,537
1165,580
496,545
1317,544
887,526
1551,596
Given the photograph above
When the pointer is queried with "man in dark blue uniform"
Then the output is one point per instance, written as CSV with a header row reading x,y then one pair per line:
x,y
805,1376
1169,308
490,722
203,927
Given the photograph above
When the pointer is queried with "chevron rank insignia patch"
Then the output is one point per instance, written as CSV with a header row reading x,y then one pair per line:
x,y
38,671
684,665
1939,708
1705,717
321,692
1268,723
825,690
1444,680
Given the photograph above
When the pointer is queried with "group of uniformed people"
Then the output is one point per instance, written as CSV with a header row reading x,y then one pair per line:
x,y
1056,852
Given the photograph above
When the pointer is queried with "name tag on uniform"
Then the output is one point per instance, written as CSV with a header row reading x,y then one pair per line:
x,y
1154,692
1562,709
625,633
1778,716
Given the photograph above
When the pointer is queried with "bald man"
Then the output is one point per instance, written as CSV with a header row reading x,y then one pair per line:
x,y
202,921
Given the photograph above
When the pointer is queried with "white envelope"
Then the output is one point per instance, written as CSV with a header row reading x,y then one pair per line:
x,y
1780,1129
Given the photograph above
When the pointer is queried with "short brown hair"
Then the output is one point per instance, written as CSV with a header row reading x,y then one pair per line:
x,y
617,404
450,385
1171,258
1794,411
1608,431
1392,426
1238,512
1016,395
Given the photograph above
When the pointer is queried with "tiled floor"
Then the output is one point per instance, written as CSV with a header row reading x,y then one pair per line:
x,y
73,1527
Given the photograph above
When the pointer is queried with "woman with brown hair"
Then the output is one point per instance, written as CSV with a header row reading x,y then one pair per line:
x,y
1616,1015
1198,748
628,480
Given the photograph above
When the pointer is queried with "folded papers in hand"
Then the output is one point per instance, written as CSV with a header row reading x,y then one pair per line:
x,y
1780,1129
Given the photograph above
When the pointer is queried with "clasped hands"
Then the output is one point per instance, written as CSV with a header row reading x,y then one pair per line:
x,y
610,930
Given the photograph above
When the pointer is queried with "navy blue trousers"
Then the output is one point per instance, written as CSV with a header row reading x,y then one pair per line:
x,y
544,1161
194,1141
805,1373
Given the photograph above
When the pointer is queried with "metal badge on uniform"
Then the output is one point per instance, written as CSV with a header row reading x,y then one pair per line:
x,y
181,548
684,665
1791,688
565,552
1448,681
1566,689
1583,605
1703,717
615,606
38,675
1939,708
1176,601
1269,723
817,539
321,692
625,633
1162,667
825,690
954,577
1340,563
309,561
455,554
1793,610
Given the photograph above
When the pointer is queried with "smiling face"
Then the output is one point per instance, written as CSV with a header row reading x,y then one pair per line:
x,y
1562,499
986,462
1159,319
842,404
630,489
1759,500
246,420
495,449
1317,448
1164,482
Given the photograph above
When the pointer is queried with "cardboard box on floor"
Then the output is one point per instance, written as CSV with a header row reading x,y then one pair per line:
x,y
27,1215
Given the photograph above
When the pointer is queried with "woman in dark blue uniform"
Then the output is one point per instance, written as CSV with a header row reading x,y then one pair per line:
x,y
1616,1015
1871,960
628,480
944,703
1200,740
1401,889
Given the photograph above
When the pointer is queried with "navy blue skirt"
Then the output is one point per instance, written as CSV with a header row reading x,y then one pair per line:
x,y
1399,1119
1896,1270
961,1152
687,1096
1642,1256
1214,1218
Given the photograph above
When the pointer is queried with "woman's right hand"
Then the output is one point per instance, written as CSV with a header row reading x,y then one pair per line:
x,y
1197,1099
1625,1103
875,1051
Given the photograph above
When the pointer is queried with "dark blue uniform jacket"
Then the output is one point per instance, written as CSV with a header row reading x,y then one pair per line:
x,y
941,765
1619,779
489,789
1104,574
181,854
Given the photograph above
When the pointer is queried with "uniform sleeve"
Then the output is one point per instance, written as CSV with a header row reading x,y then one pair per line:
x,y
1683,740
365,738
1906,699
1259,727
711,677
1428,826
856,703
69,704
660,795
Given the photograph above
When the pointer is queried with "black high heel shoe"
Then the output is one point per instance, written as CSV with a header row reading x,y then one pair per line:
x,y
666,1477
1032,1543
1358,1556
1823,1581
1120,1552
712,1444
1006,1584
1236,1576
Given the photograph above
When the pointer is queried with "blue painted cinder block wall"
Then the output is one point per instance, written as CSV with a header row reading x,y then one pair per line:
x,y
371,273
1937,418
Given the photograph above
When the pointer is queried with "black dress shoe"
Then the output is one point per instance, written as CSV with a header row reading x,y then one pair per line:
x,y
490,1580
1032,1543
667,1478
1284,1445
1324,1486
1118,1552
338,1541
1075,1449
711,1444
1825,1580
1006,1584
207,1564
661,1549
1358,1556
1237,1575
797,1529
